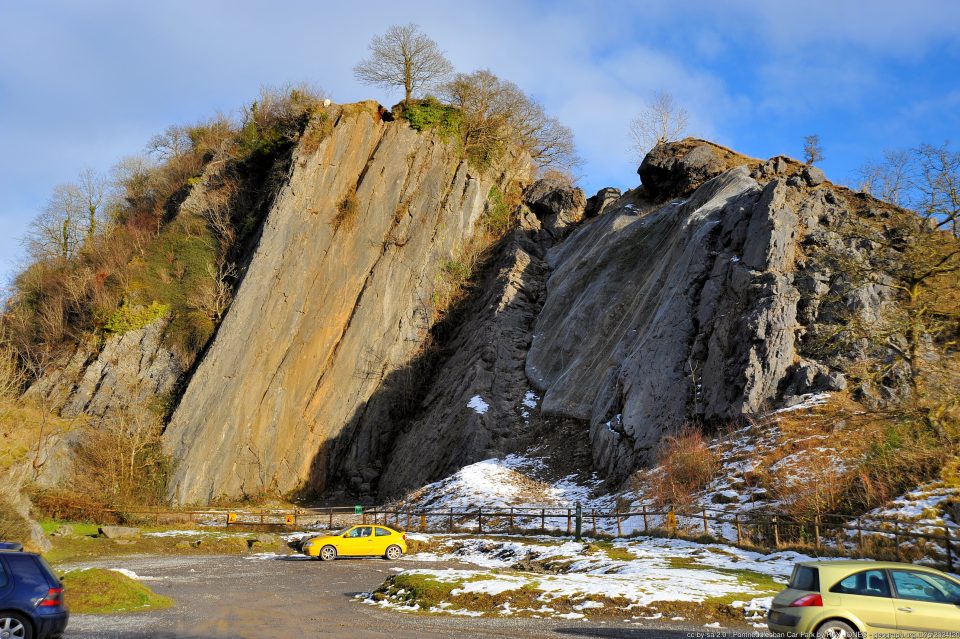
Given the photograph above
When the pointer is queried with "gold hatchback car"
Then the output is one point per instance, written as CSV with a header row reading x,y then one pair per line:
x,y
847,599
358,541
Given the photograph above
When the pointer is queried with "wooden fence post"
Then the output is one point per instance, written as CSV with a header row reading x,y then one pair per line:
x,y
646,525
948,546
363,517
510,520
706,528
543,520
593,513
776,532
816,532
896,537
736,520
479,519
619,530
569,522
423,522
450,522
860,538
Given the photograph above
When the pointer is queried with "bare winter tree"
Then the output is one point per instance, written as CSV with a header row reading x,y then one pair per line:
x,y
74,214
925,179
93,190
662,121
496,112
172,143
888,179
812,150
937,182
403,57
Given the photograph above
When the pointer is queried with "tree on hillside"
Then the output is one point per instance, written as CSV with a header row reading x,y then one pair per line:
x,y
497,112
403,57
812,150
925,179
75,213
662,121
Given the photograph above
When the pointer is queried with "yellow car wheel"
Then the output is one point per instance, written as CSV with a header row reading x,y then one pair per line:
x,y
328,553
393,552
836,629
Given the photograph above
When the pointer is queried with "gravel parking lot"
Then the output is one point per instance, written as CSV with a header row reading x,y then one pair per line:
x,y
279,597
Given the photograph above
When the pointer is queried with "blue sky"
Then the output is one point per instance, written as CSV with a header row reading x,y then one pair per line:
x,y
83,84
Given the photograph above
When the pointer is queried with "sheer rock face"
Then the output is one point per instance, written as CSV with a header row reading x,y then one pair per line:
x,y
335,300
686,311
478,402
130,371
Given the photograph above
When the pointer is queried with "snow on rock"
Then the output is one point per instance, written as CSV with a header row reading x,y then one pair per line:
x,y
808,401
477,404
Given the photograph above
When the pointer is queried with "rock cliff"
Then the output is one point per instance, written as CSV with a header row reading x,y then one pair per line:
x,y
616,318
130,370
690,310
337,297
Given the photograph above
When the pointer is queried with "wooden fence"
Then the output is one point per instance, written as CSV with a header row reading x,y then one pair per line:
x,y
827,534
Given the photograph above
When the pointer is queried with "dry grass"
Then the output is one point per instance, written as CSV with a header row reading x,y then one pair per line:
x,y
348,210
686,464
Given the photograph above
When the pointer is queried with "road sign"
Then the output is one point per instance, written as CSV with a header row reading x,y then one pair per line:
x,y
231,518
289,520
358,510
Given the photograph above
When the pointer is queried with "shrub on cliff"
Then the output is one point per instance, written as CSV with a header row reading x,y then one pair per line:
x,y
152,254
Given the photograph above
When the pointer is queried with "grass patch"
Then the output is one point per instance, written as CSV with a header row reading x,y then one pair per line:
x,y
77,527
82,546
99,591
431,115
617,553
130,317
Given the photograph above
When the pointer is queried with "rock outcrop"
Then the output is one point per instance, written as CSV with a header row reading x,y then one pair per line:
x,y
336,299
688,312
132,370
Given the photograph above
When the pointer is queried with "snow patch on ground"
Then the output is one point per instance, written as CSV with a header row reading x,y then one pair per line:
x,y
641,571
510,481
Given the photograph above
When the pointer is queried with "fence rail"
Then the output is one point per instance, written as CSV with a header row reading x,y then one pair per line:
x,y
826,534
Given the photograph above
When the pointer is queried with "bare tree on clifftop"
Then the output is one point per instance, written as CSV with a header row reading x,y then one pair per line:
x,y
812,149
662,121
403,57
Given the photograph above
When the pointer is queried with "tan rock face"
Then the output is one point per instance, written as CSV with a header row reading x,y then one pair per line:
x,y
336,297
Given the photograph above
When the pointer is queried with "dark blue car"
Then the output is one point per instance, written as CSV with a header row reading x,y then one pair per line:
x,y
31,598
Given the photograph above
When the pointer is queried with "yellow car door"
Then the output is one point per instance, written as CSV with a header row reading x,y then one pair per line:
x,y
352,542
926,603
358,542
867,595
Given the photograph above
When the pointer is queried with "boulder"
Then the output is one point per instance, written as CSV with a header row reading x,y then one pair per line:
x,y
558,204
669,170
119,532
813,175
597,204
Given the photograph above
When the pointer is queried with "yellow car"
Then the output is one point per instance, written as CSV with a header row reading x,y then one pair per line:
x,y
847,599
358,541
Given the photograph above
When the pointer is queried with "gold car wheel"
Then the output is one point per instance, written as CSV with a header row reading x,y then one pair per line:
x,y
327,553
836,630
393,553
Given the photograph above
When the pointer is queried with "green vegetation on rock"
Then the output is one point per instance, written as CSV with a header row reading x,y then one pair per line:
x,y
130,317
